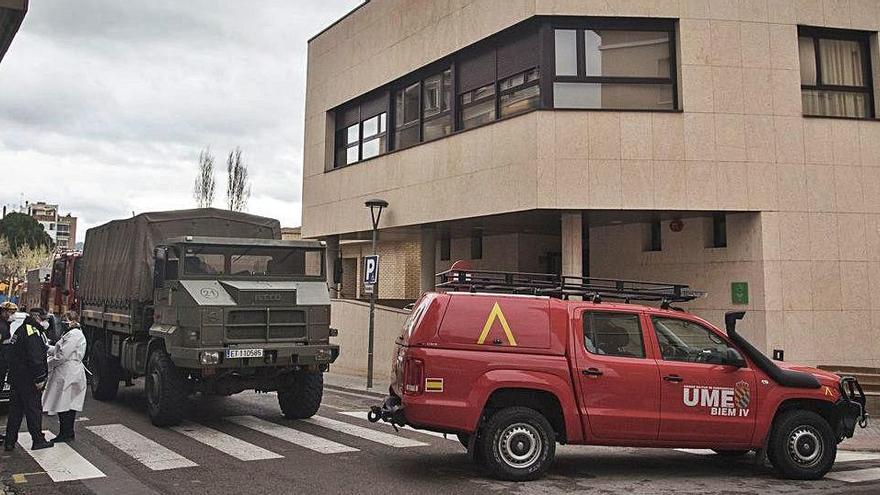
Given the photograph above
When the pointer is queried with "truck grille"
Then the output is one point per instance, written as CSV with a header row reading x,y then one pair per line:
x,y
266,325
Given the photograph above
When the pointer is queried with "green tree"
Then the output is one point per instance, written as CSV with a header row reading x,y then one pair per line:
x,y
20,230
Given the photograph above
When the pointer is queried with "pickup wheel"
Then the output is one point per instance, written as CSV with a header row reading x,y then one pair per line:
x,y
301,398
802,445
518,444
167,390
105,373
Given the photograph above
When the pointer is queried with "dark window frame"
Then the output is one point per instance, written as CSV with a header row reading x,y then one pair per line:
x,y
477,245
580,25
445,247
654,243
863,39
340,138
719,230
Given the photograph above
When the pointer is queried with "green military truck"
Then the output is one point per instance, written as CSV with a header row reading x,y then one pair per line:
x,y
205,301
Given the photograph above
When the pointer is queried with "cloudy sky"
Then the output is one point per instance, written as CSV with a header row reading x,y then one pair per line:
x,y
105,104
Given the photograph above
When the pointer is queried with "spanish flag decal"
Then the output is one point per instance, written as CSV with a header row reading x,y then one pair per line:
x,y
496,314
433,384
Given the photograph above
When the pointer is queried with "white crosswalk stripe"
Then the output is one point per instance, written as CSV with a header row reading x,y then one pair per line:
x,y
856,476
141,448
227,444
291,435
363,415
365,433
855,456
61,462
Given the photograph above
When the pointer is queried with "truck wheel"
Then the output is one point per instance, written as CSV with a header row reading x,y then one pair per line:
x,y
518,444
166,390
802,445
301,398
105,373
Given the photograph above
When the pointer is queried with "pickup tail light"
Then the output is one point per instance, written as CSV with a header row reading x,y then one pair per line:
x,y
413,376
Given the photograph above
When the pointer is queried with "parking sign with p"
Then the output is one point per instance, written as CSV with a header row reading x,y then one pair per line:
x,y
371,270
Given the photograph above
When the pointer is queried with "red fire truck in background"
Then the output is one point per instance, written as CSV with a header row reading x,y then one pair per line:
x,y
55,288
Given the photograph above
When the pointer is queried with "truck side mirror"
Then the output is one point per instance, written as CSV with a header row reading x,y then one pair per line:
x,y
159,267
734,358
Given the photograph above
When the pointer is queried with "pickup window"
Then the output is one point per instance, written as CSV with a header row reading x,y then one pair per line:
x,y
613,334
682,340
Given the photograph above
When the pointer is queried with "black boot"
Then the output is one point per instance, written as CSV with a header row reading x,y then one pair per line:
x,y
42,444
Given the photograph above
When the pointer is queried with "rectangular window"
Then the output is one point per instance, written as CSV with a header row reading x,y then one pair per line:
x,y
653,240
477,107
477,245
436,106
520,93
406,107
445,247
617,67
719,230
361,130
835,73
613,334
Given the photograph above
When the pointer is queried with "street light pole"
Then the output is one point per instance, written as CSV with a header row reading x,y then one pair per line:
x,y
376,206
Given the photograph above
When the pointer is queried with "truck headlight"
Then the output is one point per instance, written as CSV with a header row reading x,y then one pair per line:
x,y
210,357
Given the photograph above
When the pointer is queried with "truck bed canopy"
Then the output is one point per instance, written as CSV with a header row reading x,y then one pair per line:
x,y
118,256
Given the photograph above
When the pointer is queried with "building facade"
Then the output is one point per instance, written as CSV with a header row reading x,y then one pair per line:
x,y
11,16
61,228
728,144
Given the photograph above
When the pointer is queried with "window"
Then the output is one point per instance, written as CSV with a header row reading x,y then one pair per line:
x,y
445,247
519,93
835,73
361,130
719,230
613,334
477,245
609,67
653,239
437,115
477,107
406,108
682,340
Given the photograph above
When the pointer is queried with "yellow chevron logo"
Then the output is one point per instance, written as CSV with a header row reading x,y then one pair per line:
x,y
496,314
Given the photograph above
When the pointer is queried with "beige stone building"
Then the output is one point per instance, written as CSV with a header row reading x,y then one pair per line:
x,y
728,144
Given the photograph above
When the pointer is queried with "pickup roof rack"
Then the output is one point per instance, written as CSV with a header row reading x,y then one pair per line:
x,y
563,286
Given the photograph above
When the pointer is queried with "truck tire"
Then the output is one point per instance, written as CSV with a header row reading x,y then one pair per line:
x,y
166,390
301,398
518,444
802,445
105,373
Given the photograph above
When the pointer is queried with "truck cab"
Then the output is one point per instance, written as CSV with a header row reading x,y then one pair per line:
x,y
515,363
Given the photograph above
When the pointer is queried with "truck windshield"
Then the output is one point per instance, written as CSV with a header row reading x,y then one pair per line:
x,y
253,261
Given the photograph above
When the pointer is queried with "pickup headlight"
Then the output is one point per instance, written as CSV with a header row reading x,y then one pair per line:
x,y
210,357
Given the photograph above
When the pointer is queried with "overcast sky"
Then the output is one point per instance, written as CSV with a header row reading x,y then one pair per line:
x,y
105,104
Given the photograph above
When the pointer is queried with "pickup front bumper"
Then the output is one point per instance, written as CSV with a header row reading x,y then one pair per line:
x,y
850,408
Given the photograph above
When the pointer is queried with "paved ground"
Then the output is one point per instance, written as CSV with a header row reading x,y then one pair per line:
x,y
242,445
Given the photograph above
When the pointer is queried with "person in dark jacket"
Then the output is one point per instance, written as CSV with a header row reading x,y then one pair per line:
x,y
28,371
7,314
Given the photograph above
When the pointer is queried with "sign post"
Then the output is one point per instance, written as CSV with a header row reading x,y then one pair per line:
x,y
371,280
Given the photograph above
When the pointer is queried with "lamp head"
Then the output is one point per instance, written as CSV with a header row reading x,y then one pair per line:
x,y
376,203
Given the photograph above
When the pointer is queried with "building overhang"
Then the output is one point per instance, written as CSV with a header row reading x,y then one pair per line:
x,y
11,16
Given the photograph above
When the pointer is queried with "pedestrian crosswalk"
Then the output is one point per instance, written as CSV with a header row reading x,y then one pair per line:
x,y
334,433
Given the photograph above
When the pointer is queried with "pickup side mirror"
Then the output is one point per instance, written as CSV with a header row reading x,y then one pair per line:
x,y
734,358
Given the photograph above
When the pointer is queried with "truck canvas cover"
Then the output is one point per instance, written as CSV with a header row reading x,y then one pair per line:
x,y
118,256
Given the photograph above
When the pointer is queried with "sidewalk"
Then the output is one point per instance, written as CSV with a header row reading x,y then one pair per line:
x,y
867,439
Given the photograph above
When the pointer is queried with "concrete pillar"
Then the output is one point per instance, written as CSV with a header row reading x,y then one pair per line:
x,y
428,267
332,242
572,244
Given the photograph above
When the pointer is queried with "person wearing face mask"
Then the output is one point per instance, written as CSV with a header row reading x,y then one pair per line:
x,y
66,386
28,370
44,324
7,316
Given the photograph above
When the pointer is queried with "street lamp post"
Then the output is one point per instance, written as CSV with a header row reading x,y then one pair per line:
x,y
376,206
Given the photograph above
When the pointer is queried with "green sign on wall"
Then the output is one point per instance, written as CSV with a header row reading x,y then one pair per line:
x,y
739,292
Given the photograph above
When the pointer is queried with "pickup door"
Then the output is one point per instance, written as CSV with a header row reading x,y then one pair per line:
x,y
618,381
701,400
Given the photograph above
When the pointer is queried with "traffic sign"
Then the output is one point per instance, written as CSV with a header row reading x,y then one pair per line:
x,y
371,269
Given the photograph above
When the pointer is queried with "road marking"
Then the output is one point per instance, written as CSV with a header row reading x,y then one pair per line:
x,y
363,415
854,456
296,437
365,433
61,462
697,451
141,448
856,476
353,394
227,444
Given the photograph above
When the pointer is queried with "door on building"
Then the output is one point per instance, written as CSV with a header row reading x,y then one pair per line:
x,y
701,400
619,384
349,278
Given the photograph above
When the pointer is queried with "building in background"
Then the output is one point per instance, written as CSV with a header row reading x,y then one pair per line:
x,y
732,146
291,233
62,229
11,16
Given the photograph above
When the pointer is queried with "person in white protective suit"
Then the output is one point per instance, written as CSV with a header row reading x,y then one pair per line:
x,y
66,386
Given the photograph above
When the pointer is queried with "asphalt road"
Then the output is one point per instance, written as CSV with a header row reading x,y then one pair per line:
x,y
242,445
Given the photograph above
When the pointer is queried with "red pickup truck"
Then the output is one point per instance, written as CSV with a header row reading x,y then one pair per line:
x,y
516,363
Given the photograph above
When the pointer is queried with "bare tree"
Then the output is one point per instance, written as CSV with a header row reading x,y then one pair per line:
x,y
14,265
204,186
238,186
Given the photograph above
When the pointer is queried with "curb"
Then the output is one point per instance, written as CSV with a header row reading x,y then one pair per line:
x,y
353,390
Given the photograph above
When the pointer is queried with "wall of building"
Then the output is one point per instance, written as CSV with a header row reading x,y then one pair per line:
x,y
398,268
351,319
